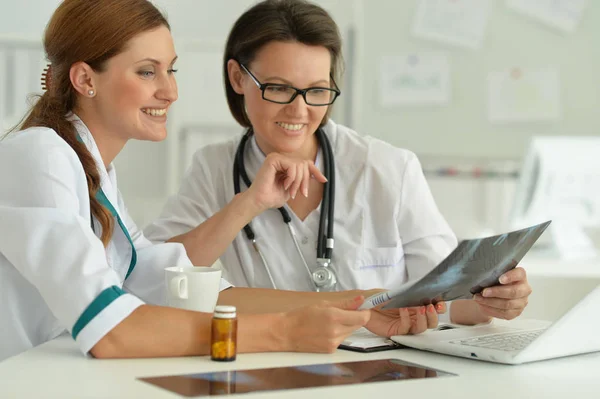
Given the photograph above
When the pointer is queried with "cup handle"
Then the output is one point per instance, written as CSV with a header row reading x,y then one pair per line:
x,y
179,286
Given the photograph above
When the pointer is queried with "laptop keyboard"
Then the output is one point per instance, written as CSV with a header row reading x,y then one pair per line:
x,y
503,341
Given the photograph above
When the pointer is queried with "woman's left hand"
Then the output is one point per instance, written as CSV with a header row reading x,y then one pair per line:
x,y
507,300
390,322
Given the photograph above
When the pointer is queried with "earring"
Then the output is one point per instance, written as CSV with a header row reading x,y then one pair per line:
x,y
91,92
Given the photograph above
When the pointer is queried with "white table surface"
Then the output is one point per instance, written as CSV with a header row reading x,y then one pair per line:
x,y
58,370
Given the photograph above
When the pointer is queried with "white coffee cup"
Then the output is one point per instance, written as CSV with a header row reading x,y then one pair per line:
x,y
193,288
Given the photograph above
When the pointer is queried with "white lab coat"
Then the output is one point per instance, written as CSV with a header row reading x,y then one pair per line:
x,y
387,227
55,273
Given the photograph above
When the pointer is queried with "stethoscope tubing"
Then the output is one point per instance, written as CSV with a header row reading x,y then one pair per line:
x,y
325,241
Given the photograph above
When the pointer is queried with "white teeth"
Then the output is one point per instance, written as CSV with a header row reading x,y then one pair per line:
x,y
290,127
154,112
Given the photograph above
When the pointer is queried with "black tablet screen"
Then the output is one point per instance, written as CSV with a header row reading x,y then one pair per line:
x,y
296,377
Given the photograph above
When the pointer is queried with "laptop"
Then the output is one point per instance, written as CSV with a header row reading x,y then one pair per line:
x,y
518,341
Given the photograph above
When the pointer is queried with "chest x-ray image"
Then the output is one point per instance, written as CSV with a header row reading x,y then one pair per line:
x,y
474,265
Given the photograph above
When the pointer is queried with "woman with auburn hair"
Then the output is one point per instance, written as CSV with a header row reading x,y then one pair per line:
x,y
71,259
373,224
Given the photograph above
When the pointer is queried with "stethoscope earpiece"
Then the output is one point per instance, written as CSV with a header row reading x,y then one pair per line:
x,y
323,277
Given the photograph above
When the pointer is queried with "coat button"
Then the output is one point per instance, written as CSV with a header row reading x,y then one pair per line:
x,y
305,240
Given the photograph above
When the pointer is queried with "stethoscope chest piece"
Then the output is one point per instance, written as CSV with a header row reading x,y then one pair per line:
x,y
323,276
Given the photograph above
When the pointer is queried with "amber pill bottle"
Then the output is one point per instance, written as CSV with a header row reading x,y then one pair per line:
x,y
223,343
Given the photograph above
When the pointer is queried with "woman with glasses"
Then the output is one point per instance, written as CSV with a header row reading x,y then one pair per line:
x,y
372,224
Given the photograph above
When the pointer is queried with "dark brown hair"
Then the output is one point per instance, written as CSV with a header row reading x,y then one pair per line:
x,y
92,32
279,20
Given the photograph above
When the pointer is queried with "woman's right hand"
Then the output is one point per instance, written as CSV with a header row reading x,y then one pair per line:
x,y
322,328
281,177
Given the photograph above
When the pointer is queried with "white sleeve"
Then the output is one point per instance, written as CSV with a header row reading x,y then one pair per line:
x,y
46,238
195,202
147,280
427,238
426,235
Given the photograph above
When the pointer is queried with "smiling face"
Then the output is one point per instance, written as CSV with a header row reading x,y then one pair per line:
x,y
284,128
137,87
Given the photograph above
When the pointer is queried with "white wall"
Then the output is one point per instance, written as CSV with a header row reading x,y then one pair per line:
x,y
461,128
25,18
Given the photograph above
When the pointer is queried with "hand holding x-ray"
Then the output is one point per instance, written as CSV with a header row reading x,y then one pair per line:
x,y
508,299
474,265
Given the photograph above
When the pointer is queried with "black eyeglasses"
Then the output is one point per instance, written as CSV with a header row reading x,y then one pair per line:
x,y
285,94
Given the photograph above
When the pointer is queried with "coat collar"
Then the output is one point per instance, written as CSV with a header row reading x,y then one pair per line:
x,y
108,177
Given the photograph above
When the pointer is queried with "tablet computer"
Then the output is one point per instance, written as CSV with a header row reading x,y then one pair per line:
x,y
293,377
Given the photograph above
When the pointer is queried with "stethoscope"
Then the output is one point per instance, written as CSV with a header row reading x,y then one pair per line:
x,y
323,277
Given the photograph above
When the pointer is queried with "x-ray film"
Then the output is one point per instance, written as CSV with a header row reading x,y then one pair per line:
x,y
474,265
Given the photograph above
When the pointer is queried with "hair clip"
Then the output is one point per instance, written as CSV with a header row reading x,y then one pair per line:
x,y
47,78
